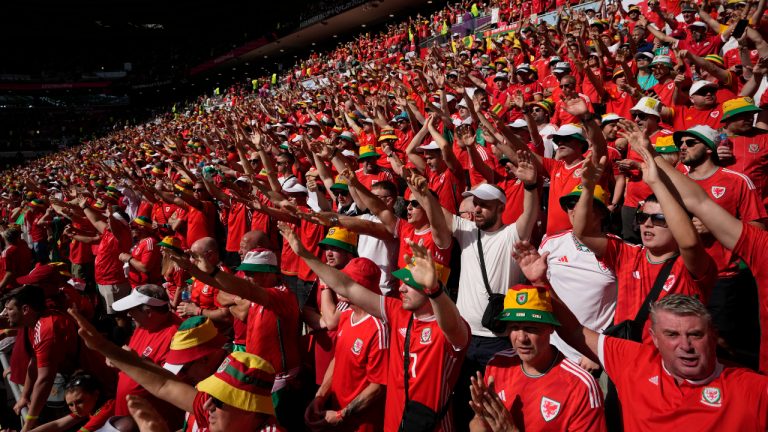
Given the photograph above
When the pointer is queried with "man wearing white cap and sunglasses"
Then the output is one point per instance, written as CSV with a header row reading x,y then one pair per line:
x,y
147,305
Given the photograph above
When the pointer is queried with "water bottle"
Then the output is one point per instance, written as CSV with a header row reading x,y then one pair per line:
x,y
186,295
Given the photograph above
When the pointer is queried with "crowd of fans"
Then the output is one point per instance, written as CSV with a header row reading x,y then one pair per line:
x,y
561,227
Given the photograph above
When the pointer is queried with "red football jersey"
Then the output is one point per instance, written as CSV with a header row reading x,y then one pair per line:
x,y
434,364
566,398
441,257
636,275
562,180
734,192
108,268
448,187
686,117
148,253
731,399
264,340
751,158
751,248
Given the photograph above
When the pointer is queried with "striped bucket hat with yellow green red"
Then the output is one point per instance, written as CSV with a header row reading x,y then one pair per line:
x,y
528,303
341,238
244,381
195,338
738,106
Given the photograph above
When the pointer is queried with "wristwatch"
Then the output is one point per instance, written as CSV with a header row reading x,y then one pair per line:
x,y
435,291
334,220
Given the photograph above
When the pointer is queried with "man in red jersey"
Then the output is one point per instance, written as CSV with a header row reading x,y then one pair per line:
x,y
540,388
735,289
145,258
746,147
704,109
234,398
352,390
428,338
15,260
147,305
273,319
669,239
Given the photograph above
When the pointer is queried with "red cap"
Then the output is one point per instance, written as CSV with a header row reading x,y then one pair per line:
x,y
44,276
364,272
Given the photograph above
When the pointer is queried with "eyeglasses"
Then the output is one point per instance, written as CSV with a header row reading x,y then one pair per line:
x,y
657,219
198,189
413,203
537,110
639,116
565,86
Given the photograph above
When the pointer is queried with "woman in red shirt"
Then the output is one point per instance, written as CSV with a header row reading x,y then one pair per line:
x,y
89,407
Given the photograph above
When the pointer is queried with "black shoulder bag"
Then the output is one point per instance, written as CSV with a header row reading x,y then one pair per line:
x,y
417,417
633,329
495,301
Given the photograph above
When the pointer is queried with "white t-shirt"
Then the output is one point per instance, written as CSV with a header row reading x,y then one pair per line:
x,y
383,253
502,269
584,284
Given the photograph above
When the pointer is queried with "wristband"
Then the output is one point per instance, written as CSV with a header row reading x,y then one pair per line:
x,y
437,292
340,414
531,187
214,272
31,417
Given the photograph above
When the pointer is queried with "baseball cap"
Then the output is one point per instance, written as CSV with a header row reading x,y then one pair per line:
x,y
610,117
431,146
486,192
698,24
561,67
519,123
341,238
527,303
292,185
150,295
698,85
259,260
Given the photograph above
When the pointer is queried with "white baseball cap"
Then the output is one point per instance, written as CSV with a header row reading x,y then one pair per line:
x,y
698,85
486,192
431,146
518,124
138,298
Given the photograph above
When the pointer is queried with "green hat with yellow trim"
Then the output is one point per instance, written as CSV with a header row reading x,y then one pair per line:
x,y
527,303
340,183
600,195
665,145
171,243
195,338
244,381
737,106
405,275
369,151
341,238
143,221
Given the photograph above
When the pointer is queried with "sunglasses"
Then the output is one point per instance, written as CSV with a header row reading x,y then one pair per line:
x,y
706,91
341,192
657,219
413,203
639,116
689,142
565,86
217,403
570,204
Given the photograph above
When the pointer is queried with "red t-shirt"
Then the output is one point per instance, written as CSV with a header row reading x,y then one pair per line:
x,y
204,295
311,235
636,275
148,253
238,221
708,45
566,398
562,180
751,158
636,189
368,180
16,259
108,268
54,341
448,188
562,117
686,117
619,102
665,92
264,340
751,248
152,346
361,354
434,364
201,223
734,192
731,399
81,253
514,191
36,232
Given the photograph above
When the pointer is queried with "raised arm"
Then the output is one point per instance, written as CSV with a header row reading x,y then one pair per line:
x,y
595,240
441,232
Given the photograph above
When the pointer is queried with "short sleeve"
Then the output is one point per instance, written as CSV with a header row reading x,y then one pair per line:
x,y
463,230
378,356
201,415
44,344
615,354
612,256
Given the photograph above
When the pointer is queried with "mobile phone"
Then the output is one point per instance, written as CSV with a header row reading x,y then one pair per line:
x,y
740,27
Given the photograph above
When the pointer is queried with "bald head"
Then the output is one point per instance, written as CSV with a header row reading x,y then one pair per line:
x,y
206,248
252,240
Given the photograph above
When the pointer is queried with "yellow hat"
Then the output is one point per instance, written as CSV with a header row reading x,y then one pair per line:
x,y
341,238
600,195
527,303
737,106
666,144
243,381
368,151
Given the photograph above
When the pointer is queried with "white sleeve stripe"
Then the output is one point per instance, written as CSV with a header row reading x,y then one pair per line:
x,y
586,378
382,333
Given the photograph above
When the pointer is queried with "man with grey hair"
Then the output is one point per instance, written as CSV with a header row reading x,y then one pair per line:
x,y
676,384
155,326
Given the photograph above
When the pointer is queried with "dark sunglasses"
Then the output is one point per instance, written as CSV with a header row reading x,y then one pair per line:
x,y
217,403
657,219
640,116
570,204
413,203
341,192
689,142
565,86
706,91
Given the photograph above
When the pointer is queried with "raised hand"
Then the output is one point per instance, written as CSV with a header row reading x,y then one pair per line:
x,y
289,234
533,265
634,135
91,337
576,106
422,266
145,415
526,170
417,182
592,173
